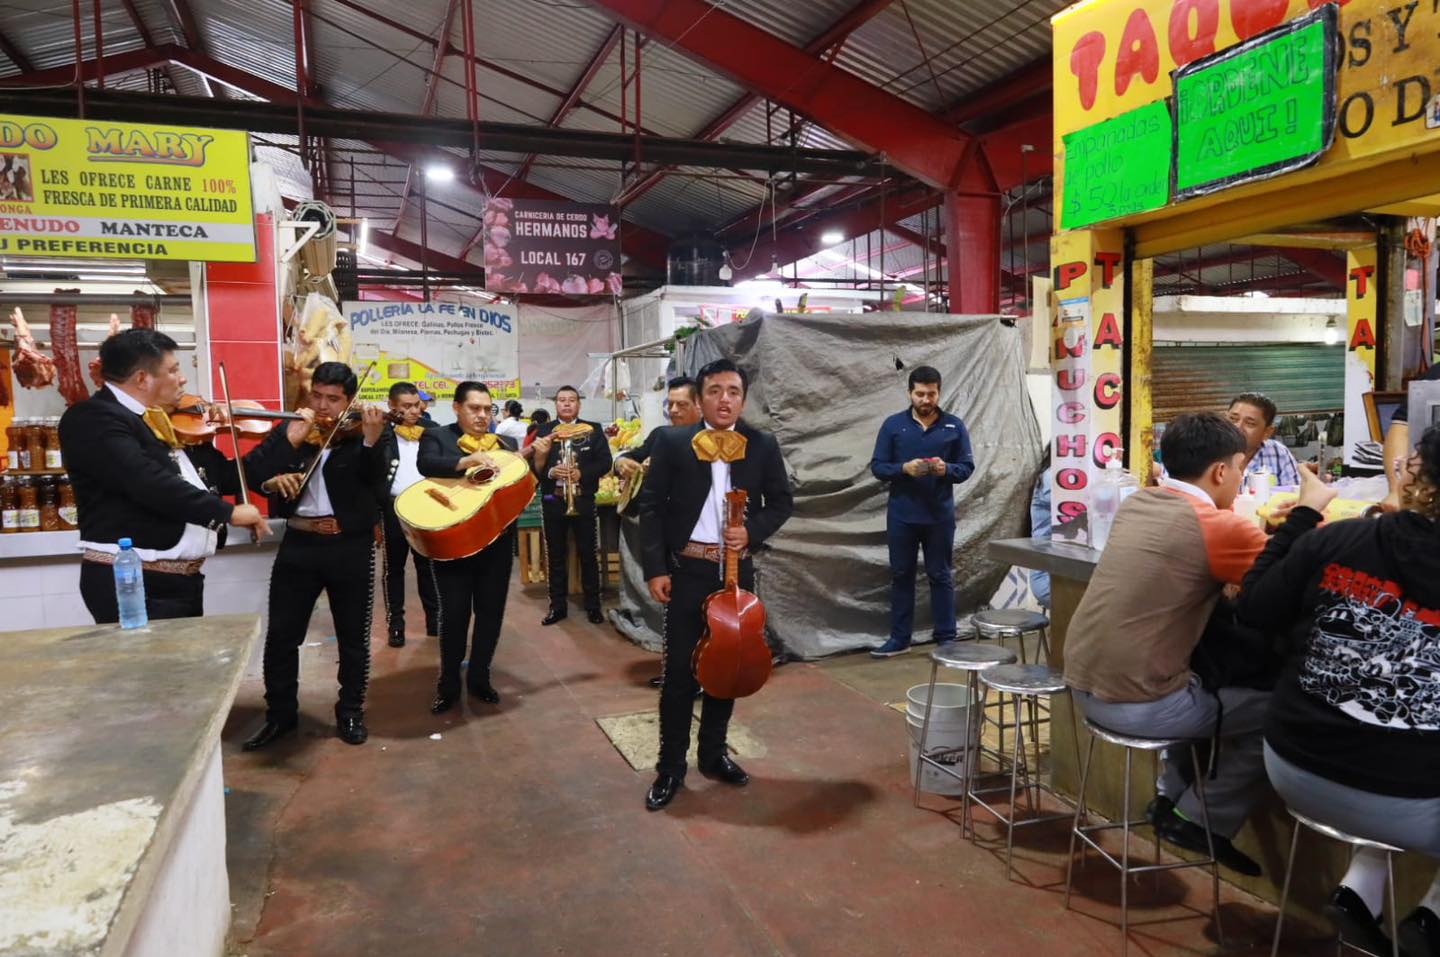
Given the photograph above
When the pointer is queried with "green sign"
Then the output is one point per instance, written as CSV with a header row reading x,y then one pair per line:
x,y
1263,107
1118,167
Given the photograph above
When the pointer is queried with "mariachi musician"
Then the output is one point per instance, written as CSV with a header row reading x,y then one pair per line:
x,y
479,582
682,406
400,450
329,545
134,478
682,509
568,500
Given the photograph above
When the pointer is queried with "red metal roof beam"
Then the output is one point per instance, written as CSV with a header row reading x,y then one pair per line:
x,y
427,106
856,17
587,76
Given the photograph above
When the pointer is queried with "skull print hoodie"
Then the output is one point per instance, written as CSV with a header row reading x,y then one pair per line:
x,y
1359,700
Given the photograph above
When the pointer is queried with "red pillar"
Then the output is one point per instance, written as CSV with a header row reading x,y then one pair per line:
x,y
972,252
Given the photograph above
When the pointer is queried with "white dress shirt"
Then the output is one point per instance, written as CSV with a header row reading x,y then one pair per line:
x,y
196,541
710,527
1194,491
315,500
512,429
407,473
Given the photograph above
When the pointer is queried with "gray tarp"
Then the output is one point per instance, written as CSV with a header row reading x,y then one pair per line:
x,y
823,384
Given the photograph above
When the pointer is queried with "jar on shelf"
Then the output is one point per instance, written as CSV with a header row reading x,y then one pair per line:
x,y
69,514
14,438
10,505
49,504
29,506
52,443
35,444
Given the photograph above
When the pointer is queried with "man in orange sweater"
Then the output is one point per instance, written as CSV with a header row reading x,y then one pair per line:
x,y
1171,552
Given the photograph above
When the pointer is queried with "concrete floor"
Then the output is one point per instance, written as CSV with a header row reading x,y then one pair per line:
x,y
520,829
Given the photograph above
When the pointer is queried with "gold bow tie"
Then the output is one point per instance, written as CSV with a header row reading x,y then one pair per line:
x,y
713,445
411,432
485,443
159,424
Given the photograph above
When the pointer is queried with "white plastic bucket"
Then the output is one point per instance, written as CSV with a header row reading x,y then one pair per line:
x,y
947,731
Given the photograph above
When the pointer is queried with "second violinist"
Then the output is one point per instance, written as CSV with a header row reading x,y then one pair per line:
x,y
329,546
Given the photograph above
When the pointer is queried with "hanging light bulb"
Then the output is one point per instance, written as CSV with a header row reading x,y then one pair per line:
x,y
1332,332
725,271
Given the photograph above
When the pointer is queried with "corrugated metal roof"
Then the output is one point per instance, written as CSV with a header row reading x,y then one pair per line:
x,y
362,63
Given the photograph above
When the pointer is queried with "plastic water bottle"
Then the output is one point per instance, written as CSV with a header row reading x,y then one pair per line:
x,y
130,587
1111,489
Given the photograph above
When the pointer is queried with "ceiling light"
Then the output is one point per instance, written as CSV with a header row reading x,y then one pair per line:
x,y
832,237
364,245
439,174
1332,333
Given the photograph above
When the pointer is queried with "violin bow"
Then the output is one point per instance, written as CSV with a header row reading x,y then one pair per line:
x,y
235,440
315,462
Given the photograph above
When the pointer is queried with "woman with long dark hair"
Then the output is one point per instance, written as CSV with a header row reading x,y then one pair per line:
x,y
1353,733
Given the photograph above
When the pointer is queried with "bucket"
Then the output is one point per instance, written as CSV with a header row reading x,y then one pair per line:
x,y
947,730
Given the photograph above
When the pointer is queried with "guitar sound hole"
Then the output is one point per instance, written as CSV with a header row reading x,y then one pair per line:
x,y
480,476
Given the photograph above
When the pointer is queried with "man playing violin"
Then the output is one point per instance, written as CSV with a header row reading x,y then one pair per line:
x,y
478,583
400,449
591,462
329,545
134,479
682,510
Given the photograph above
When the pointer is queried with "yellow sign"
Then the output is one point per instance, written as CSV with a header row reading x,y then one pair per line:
x,y
390,369
97,189
1112,56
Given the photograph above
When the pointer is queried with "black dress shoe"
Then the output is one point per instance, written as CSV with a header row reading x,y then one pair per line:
x,y
1174,829
351,729
443,702
431,629
595,615
269,732
662,792
555,615
725,770
484,692
1420,933
1159,809
657,681
397,639
1353,921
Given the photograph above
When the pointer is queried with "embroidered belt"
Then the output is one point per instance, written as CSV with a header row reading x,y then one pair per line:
x,y
324,525
707,552
165,566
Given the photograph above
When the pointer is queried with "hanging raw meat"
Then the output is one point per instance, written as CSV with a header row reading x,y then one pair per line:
x,y
66,350
142,316
33,369
95,374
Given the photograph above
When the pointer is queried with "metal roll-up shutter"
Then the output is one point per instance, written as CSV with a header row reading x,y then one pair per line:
x,y
1198,378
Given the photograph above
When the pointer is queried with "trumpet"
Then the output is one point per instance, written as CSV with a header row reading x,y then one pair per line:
x,y
567,458
569,434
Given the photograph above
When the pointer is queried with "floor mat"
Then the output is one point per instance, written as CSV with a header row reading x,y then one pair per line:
x,y
637,738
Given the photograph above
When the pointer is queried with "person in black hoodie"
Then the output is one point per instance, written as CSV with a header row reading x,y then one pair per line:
x,y
1353,733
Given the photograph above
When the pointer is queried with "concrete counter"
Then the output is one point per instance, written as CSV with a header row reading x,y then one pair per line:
x,y
112,817
1266,837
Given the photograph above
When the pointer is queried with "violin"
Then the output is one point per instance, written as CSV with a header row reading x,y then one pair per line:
x,y
345,427
193,424
732,659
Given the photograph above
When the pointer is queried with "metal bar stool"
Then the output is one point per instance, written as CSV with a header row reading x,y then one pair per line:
x,y
1004,624
1012,624
1080,830
1030,683
970,658
1334,833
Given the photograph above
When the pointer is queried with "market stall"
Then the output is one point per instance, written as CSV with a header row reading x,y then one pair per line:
x,y
1147,164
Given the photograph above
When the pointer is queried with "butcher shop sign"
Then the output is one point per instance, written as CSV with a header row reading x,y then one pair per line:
x,y
98,189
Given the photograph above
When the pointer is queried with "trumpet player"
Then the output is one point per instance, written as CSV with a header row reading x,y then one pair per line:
x,y
571,456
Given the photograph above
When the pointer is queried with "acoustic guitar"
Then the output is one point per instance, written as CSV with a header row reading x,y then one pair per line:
x,y
732,659
450,518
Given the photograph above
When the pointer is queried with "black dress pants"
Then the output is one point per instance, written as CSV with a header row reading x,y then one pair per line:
x,y
397,552
343,567
476,585
692,580
558,527
166,596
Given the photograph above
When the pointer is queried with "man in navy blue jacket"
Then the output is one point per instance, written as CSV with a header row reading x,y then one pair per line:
x,y
923,453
